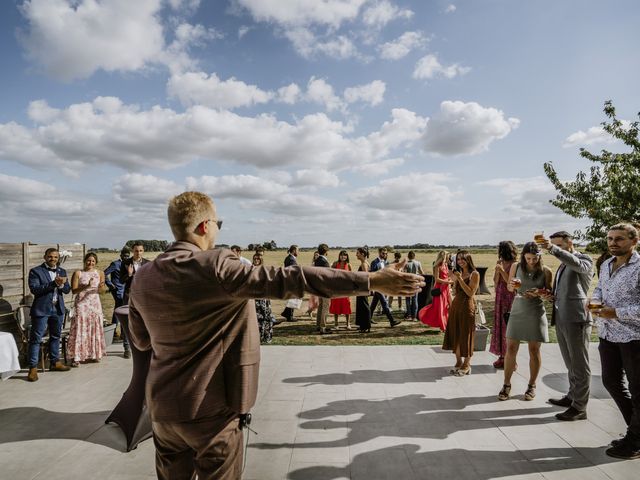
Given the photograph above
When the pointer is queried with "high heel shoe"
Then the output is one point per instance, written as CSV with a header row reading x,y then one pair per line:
x,y
364,330
455,369
505,393
463,371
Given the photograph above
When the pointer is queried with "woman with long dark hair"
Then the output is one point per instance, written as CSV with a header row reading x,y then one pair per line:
x,y
528,319
460,333
86,338
363,313
507,255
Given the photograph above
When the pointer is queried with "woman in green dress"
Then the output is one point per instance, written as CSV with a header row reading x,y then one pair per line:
x,y
528,319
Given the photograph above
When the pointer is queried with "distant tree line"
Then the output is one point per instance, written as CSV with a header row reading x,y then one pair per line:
x,y
150,245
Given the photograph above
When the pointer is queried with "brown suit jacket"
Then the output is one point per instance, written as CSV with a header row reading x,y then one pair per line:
x,y
193,309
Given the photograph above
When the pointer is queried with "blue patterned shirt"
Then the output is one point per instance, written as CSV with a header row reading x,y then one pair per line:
x,y
622,292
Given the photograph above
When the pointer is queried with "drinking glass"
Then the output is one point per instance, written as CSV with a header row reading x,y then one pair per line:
x,y
538,237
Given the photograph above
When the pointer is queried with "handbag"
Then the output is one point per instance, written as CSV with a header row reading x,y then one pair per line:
x,y
294,303
480,318
436,292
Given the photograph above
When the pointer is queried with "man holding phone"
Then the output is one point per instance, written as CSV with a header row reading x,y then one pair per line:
x,y
48,283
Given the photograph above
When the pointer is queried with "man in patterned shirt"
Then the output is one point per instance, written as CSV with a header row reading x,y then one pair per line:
x,y
618,320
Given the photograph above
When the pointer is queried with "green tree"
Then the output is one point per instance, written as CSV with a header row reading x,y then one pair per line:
x,y
610,193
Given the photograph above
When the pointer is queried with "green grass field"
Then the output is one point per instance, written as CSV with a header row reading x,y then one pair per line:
x,y
302,331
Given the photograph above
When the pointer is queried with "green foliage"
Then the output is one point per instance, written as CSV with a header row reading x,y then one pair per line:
x,y
609,194
150,245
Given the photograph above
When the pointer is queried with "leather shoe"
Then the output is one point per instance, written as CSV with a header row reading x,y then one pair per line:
x,y
624,449
33,375
561,402
395,322
59,367
571,414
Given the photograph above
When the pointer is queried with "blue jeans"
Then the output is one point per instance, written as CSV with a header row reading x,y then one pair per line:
x,y
380,298
412,306
38,327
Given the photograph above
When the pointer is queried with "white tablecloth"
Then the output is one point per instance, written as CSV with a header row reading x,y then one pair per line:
x,y
9,363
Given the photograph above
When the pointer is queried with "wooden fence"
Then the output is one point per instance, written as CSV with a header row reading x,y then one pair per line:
x,y
16,259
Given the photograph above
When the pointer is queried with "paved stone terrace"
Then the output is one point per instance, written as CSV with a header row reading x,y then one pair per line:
x,y
332,413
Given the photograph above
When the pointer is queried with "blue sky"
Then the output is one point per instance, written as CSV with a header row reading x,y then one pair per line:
x,y
342,121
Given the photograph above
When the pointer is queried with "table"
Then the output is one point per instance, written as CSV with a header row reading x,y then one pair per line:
x,y
131,413
9,363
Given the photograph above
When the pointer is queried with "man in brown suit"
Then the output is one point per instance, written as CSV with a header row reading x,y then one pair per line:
x,y
191,308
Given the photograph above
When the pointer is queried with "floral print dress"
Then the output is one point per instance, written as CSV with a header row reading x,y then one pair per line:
x,y
86,338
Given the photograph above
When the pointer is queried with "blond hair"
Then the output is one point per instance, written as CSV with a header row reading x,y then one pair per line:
x,y
442,254
186,211
631,230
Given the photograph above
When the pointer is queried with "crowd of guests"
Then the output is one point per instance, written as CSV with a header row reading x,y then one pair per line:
x,y
523,284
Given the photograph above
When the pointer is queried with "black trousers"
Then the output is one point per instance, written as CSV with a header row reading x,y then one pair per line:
x,y
620,360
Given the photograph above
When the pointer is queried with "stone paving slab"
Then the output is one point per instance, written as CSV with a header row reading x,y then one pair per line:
x,y
384,412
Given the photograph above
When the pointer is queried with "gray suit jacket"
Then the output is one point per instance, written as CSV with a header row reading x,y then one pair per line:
x,y
192,308
571,286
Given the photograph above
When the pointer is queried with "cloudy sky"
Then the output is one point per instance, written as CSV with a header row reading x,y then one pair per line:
x,y
342,121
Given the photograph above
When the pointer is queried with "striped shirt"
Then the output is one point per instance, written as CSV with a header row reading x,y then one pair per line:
x,y
620,290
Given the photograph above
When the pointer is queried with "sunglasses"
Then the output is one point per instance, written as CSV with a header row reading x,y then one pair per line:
x,y
217,222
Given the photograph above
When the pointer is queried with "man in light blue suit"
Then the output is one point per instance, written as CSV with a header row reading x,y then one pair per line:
x,y
48,283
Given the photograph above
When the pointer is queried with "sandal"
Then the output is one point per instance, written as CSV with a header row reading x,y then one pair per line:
x,y
461,372
455,369
505,393
530,394
75,364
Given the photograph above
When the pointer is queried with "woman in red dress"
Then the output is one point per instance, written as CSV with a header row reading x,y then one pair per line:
x,y
436,314
342,305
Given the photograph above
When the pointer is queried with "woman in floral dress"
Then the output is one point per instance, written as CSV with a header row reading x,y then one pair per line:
x,y
86,338
507,255
266,320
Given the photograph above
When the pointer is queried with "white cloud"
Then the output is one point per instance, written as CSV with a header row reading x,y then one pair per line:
x,y
176,55
321,92
106,131
526,207
406,193
466,128
236,186
450,8
308,44
198,88
592,136
401,46
289,94
142,191
315,178
375,169
371,93
72,39
243,30
429,67
382,12
330,13
33,209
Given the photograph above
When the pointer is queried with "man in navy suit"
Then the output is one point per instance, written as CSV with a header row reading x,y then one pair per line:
x,y
48,283
113,281
378,264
